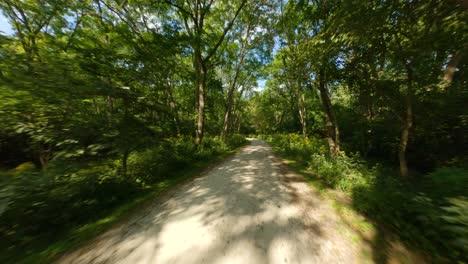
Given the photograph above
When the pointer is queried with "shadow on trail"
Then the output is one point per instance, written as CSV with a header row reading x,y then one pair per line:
x,y
240,210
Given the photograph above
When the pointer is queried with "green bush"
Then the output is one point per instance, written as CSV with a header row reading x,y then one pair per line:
x,y
42,202
296,146
211,146
444,182
174,154
149,165
344,173
183,148
235,140
38,205
430,214
455,217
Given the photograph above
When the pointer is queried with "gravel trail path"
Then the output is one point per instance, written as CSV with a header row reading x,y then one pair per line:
x,y
245,210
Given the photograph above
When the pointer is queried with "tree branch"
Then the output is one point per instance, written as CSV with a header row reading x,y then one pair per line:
x,y
225,31
180,8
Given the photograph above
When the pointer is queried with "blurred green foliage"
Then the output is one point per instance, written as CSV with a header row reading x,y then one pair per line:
x,y
98,101
430,214
43,205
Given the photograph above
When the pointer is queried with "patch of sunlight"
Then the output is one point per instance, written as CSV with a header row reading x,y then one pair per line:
x,y
94,225
173,231
242,251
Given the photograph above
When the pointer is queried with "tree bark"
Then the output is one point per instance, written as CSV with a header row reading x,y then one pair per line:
x,y
332,128
408,123
201,62
201,103
449,71
124,162
279,123
227,117
173,106
45,152
110,109
96,107
302,114
228,113
233,86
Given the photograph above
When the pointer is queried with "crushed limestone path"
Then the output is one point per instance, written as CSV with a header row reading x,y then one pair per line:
x,y
245,210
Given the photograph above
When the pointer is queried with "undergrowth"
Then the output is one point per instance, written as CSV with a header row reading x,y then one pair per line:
x,y
46,212
429,212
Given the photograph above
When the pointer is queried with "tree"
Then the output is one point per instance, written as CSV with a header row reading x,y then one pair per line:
x,y
204,42
248,50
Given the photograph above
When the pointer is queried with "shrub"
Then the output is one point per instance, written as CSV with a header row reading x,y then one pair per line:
x,y
343,172
40,204
174,154
183,148
44,201
455,216
296,146
431,215
235,140
446,181
149,165
211,146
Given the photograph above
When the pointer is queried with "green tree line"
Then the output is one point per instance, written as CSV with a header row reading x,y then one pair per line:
x,y
384,78
377,91
103,101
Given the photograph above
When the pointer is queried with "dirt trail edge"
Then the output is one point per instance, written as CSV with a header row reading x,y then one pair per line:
x,y
244,210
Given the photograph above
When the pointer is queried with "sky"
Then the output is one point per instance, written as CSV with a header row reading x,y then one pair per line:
x,y
261,84
5,27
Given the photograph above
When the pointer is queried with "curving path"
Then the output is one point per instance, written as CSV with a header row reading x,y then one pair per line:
x,y
245,210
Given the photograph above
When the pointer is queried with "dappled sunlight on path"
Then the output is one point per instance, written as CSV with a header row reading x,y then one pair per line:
x,y
243,211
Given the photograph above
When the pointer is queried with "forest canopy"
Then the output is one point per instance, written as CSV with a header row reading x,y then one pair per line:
x,y
102,100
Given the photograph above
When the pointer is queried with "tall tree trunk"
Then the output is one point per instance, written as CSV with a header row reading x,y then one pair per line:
x,y
233,86
279,123
201,103
194,24
173,106
126,134
332,128
449,71
96,107
302,114
124,161
45,152
408,123
110,109
227,114
235,120
227,117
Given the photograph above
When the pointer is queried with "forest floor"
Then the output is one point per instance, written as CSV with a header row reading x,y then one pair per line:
x,y
248,209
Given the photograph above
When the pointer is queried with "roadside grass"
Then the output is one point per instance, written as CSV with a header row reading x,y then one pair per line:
x,y
48,248
376,243
363,229
79,235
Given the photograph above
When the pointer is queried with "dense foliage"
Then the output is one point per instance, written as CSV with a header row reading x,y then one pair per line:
x,y
429,214
385,79
377,91
105,101
41,205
